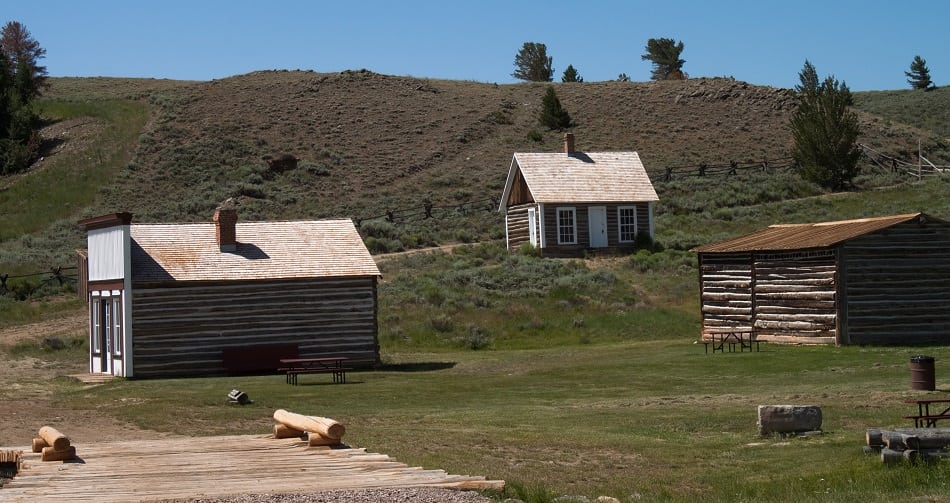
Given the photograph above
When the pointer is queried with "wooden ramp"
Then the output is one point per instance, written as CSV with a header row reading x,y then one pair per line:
x,y
201,467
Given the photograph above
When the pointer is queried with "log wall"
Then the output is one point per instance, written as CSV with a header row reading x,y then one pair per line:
x,y
795,297
517,222
180,330
787,297
726,291
897,285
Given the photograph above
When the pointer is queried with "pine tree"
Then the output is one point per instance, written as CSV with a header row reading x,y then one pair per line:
x,y
20,48
664,53
553,116
825,131
571,75
20,82
532,63
919,75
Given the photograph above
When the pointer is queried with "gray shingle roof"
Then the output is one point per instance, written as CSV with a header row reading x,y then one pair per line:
x,y
265,250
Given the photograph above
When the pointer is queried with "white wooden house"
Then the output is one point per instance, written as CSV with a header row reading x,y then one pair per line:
x,y
224,297
570,202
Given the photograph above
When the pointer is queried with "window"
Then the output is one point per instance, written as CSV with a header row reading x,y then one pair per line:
x,y
566,226
117,325
627,221
96,324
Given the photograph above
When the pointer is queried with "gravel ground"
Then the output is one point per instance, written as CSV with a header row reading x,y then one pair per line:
x,y
395,495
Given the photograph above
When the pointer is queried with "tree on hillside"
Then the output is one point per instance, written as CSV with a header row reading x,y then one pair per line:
x,y
825,131
533,64
22,51
664,53
623,78
20,82
553,115
571,75
919,75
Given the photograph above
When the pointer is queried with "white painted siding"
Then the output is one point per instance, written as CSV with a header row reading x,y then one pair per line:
x,y
107,253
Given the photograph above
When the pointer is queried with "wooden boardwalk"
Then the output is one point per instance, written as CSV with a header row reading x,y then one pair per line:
x,y
201,467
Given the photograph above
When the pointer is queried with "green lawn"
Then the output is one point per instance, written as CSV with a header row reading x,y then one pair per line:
x,y
655,417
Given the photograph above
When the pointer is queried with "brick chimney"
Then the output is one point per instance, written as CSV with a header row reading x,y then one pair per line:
x,y
225,220
568,143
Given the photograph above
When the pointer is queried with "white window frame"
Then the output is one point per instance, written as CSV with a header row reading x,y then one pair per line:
x,y
620,224
573,212
116,325
96,324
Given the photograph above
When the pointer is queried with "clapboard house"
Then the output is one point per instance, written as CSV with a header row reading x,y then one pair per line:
x,y
870,281
568,203
224,297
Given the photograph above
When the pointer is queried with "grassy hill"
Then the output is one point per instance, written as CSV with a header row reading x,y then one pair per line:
x,y
370,143
579,377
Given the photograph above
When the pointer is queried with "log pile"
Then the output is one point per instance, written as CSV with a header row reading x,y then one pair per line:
x,y
909,444
320,431
53,445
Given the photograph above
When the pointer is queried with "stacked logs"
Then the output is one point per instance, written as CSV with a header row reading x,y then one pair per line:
x,y
320,431
909,444
53,445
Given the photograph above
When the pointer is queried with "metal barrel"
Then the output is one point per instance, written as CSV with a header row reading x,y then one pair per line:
x,y
922,375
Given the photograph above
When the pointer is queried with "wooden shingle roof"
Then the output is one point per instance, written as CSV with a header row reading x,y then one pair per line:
x,y
784,237
265,250
582,177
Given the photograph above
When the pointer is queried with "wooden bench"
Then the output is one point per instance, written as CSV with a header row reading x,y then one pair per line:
x,y
339,374
293,367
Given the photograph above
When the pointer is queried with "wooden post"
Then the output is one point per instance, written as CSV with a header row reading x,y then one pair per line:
x,y
51,454
322,425
54,438
39,444
316,439
281,430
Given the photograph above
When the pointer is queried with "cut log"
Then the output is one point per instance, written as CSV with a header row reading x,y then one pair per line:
x,y
51,454
54,438
39,444
920,455
876,436
316,440
891,457
322,425
917,440
283,431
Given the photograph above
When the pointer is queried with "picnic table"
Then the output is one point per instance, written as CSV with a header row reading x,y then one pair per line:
x,y
723,339
292,367
924,417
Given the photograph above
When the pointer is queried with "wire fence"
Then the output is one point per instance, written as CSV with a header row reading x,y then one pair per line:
x,y
55,276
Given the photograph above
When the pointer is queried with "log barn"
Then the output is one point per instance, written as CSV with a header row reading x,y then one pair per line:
x,y
870,281
568,203
224,297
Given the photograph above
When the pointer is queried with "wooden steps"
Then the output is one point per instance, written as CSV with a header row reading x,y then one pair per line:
x,y
143,470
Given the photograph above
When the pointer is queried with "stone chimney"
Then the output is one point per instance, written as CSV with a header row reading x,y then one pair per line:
x,y
568,143
225,221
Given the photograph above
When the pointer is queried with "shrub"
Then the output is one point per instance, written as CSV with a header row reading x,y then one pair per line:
x,y
442,323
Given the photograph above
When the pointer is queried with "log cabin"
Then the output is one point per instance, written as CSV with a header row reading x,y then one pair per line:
x,y
571,203
223,297
869,281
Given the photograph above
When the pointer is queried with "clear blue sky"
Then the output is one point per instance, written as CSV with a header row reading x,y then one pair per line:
x,y
869,44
